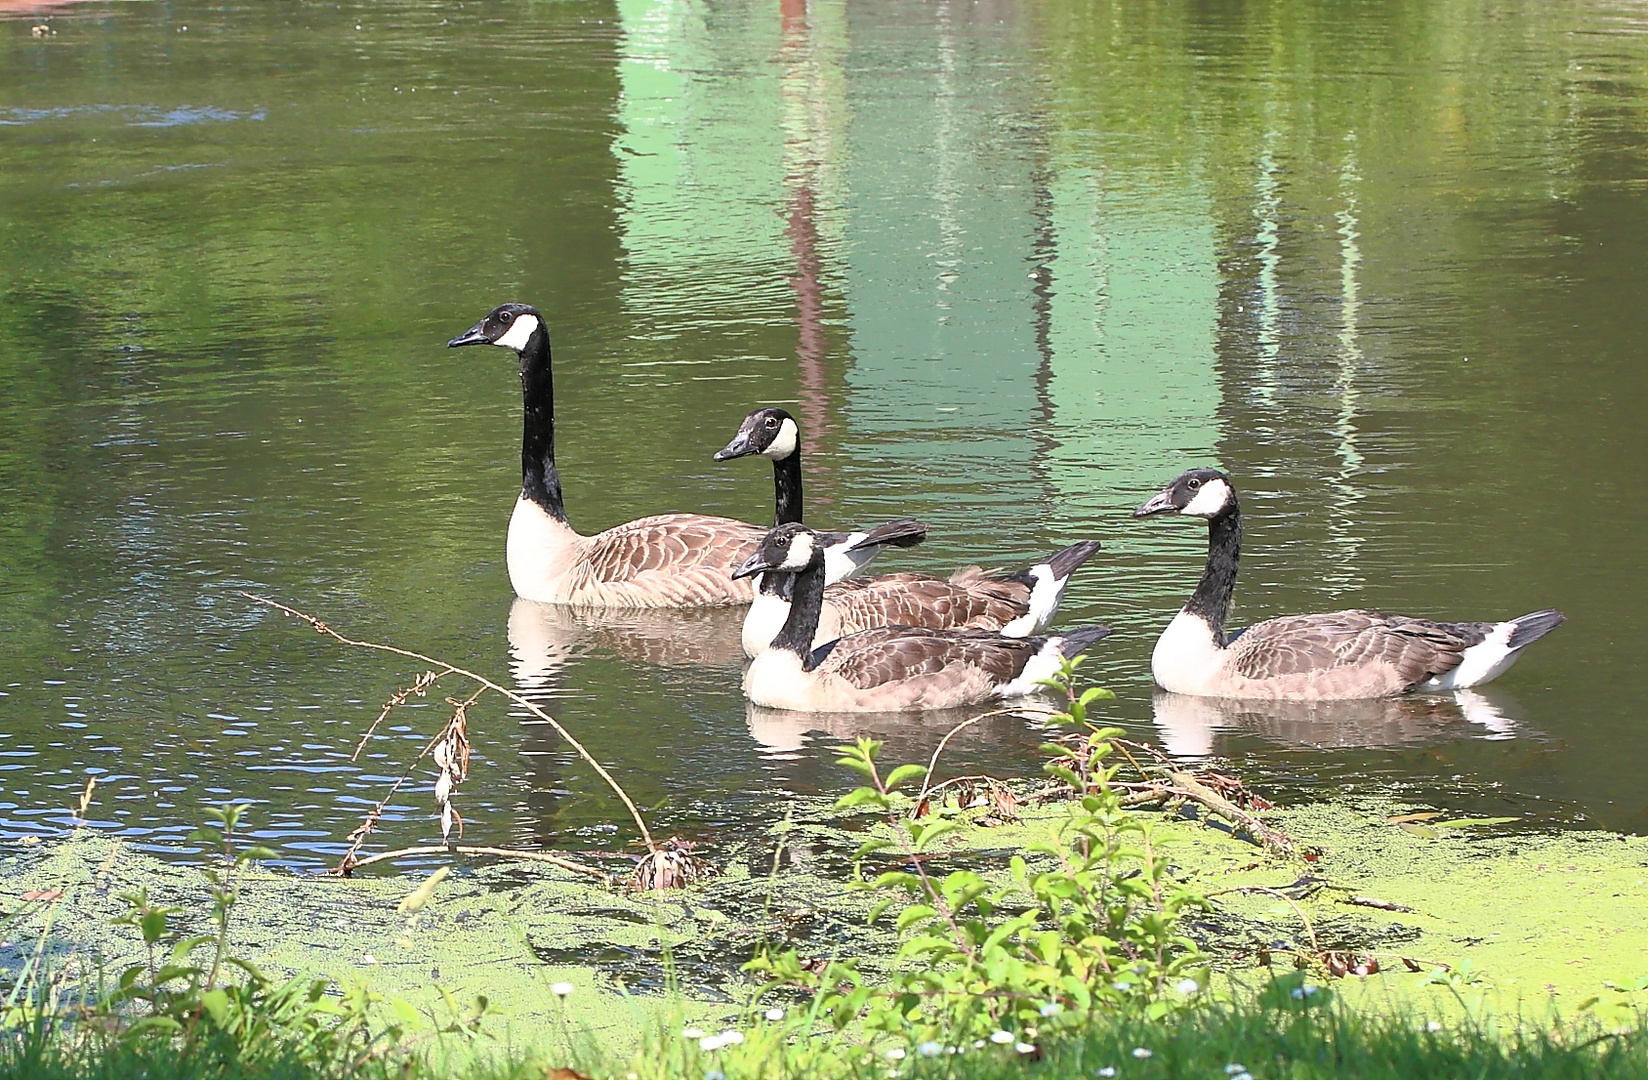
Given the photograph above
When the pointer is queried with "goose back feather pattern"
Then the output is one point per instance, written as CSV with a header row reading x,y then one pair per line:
x,y
667,560
969,599
1351,654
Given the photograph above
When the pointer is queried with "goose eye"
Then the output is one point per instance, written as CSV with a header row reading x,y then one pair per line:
x,y
1194,484
772,421
504,316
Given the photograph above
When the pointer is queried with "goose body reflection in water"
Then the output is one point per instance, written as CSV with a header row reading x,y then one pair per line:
x,y
782,734
1190,725
544,638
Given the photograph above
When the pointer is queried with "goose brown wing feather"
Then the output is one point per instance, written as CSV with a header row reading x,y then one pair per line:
x,y
969,600
898,653
1414,649
677,558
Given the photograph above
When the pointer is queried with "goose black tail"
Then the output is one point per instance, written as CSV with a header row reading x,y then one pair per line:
x,y
1533,626
1064,563
1076,641
905,532
1061,563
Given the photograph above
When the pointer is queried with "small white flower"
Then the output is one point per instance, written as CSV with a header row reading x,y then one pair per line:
x,y
1187,986
1025,1048
368,959
932,1049
1233,1068
715,1074
896,1054
1142,1052
692,1033
1242,1076
1432,1025
774,1014
1108,1071
977,1043
731,1038
1051,1009
1001,1038
710,1043
560,989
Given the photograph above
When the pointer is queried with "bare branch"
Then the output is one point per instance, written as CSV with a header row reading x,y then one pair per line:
x,y
927,780
507,853
420,687
518,699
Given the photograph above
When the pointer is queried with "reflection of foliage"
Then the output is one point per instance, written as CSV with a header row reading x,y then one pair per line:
x,y
1220,79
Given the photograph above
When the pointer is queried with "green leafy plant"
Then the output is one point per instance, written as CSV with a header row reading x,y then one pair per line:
x,y
176,993
1084,922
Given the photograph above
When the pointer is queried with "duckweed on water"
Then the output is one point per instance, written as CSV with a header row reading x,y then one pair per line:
x,y
1533,929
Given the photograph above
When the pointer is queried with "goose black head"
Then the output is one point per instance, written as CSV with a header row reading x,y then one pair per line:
x,y
789,548
1203,493
769,432
508,325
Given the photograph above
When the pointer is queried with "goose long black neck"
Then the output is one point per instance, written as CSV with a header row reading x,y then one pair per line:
x,y
1211,600
540,481
806,605
787,489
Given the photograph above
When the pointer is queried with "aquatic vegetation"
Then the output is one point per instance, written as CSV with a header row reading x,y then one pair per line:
x,y
191,998
1085,922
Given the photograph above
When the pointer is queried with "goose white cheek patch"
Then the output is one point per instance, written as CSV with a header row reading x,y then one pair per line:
x,y
1208,501
801,553
519,333
784,443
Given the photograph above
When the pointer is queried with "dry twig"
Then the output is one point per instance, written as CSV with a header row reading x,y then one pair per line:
x,y
508,853
1163,782
359,834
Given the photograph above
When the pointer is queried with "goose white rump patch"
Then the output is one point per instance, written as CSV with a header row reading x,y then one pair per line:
x,y
1045,595
1043,665
840,563
1483,662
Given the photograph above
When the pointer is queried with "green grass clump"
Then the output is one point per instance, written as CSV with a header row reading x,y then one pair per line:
x,y
1217,1041
1267,1036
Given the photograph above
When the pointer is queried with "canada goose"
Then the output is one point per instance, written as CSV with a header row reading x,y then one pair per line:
x,y
773,434
891,669
1016,604
666,561
1336,656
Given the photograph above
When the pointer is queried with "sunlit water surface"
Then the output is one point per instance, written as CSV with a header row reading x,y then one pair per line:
x,y
1014,265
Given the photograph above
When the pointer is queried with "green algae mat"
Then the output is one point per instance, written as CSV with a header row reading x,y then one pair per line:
x,y
1442,915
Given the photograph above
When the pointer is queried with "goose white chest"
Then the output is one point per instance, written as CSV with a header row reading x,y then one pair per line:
x,y
1186,657
538,552
777,680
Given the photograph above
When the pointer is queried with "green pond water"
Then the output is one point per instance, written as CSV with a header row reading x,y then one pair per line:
x,y
1014,265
